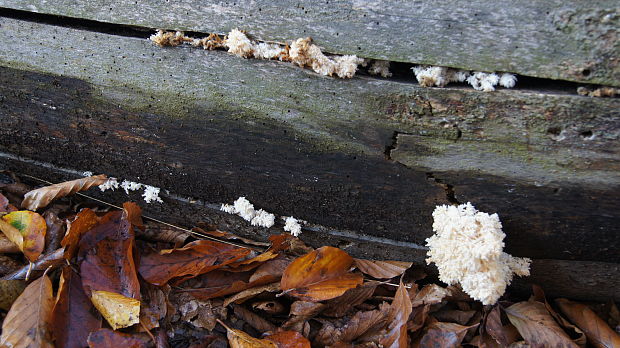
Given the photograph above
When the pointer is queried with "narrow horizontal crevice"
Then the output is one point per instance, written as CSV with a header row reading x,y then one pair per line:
x,y
449,189
401,72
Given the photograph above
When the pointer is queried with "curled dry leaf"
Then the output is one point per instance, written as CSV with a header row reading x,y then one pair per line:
x,y
52,260
302,311
118,310
270,307
504,335
448,335
575,333
105,338
254,320
9,292
195,258
320,275
382,269
252,292
28,322
536,325
27,230
289,339
339,306
400,309
430,294
41,197
240,339
595,328
74,316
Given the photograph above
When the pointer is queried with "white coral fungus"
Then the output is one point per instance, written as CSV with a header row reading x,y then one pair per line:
x,y
245,209
429,76
292,225
239,44
304,53
380,67
130,186
110,184
467,249
151,194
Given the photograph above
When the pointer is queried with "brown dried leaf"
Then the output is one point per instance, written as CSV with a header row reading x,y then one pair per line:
x,y
382,269
504,335
251,292
106,338
271,307
28,321
52,260
4,203
575,333
302,311
84,221
6,246
445,335
289,339
153,305
195,258
157,232
8,264
272,269
320,275
55,231
254,320
9,292
595,328
74,317
430,294
339,306
41,197
418,317
537,326
239,339
453,316
27,230
400,309
363,322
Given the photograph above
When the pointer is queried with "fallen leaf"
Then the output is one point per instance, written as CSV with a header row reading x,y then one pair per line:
x,y
118,310
4,203
105,338
363,322
28,322
55,231
9,292
536,325
339,306
320,275
195,258
289,339
595,328
270,307
398,315
418,317
27,230
272,269
256,321
302,311
575,333
445,335
430,294
199,313
74,316
156,232
41,197
6,246
382,269
153,306
51,260
504,335
454,316
251,292
8,264
84,221
240,339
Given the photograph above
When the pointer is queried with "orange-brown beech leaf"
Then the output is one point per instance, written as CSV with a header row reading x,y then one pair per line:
x,y
106,338
74,316
193,259
41,197
27,230
575,333
320,275
255,320
252,292
595,328
418,317
55,231
134,214
28,322
504,335
400,309
536,325
289,339
52,260
382,269
84,221
272,269
445,335
339,306
240,339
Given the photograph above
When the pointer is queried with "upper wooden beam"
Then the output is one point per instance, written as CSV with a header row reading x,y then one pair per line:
x,y
574,41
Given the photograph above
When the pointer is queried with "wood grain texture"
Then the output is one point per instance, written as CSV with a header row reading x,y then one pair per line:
x,y
212,126
575,41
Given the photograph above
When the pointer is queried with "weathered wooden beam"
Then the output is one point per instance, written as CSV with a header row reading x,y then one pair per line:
x,y
213,126
575,41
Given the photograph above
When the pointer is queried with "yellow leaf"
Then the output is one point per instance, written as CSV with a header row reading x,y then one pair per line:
x,y
118,310
239,339
27,230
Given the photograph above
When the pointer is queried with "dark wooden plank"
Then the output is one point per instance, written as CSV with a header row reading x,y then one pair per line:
x,y
575,41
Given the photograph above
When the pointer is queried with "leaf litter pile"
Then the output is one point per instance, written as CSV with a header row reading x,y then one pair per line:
x,y
80,275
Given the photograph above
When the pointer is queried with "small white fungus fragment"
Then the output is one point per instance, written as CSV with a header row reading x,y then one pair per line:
x,y
87,173
244,208
110,184
482,81
507,80
304,53
267,51
263,219
227,208
151,194
467,248
380,67
292,225
239,44
130,186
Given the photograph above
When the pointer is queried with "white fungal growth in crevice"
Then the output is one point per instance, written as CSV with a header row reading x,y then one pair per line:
x,y
110,184
246,211
130,186
436,76
150,194
380,67
292,225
